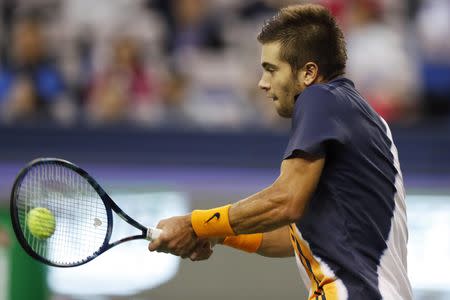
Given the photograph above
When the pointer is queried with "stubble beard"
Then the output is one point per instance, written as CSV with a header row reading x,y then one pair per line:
x,y
286,109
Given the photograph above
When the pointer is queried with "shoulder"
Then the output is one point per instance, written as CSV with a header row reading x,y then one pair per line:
x,y
319,97
319,90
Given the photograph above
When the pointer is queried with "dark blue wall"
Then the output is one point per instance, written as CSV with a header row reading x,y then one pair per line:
x,y
424,148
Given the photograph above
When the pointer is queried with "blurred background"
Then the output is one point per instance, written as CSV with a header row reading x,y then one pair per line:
x,y
158,100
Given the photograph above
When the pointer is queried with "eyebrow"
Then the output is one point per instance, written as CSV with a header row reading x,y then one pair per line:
x,y
267,65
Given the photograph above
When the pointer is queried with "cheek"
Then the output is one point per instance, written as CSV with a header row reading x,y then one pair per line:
x,y
280,85
288,89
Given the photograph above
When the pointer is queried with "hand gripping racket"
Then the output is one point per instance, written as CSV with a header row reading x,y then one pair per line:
x,y
81,208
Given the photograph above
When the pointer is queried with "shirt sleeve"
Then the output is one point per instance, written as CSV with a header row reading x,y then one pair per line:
x,y
318,118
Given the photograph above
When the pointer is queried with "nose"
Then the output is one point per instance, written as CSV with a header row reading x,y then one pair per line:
x,y
263,84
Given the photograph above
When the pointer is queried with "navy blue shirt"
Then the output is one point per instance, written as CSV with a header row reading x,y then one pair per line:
x,y
343,237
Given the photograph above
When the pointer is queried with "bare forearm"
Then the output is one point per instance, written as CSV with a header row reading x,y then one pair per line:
x,y
274,207
261,212
280,204
276,243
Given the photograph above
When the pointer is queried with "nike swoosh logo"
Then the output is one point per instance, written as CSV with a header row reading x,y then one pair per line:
x,y
216,215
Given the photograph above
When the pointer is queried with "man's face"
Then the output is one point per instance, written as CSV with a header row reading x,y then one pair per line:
x,y
278,80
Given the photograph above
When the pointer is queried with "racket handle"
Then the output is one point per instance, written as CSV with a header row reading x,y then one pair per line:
x,y
153,233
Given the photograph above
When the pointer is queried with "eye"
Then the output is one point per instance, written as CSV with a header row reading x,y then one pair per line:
x,y
270,69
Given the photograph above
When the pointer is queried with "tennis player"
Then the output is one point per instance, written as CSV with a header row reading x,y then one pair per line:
x,y
339,202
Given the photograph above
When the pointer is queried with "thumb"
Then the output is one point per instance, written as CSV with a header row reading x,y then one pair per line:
x,y
154,245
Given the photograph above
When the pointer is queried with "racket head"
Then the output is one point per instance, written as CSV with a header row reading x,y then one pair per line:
x,y
80,206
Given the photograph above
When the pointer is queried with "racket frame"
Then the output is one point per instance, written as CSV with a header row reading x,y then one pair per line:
x,y
110,206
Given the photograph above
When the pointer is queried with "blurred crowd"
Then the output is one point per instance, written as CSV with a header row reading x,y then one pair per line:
x,y
196,62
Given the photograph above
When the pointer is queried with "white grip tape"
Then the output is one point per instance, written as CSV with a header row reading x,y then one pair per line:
x,y
153,233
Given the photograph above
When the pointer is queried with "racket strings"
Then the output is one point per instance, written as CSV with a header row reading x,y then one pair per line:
x,y
81,216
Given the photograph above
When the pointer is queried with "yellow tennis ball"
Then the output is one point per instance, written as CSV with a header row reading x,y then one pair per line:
x,y
41,222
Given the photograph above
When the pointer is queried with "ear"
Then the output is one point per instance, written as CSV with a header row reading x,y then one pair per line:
x,y
310,73
300,76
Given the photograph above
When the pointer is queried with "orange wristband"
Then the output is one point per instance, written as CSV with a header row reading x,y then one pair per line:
x,y
212,222
247,242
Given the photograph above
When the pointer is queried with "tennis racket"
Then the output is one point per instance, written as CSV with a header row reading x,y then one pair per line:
x,y
83,213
